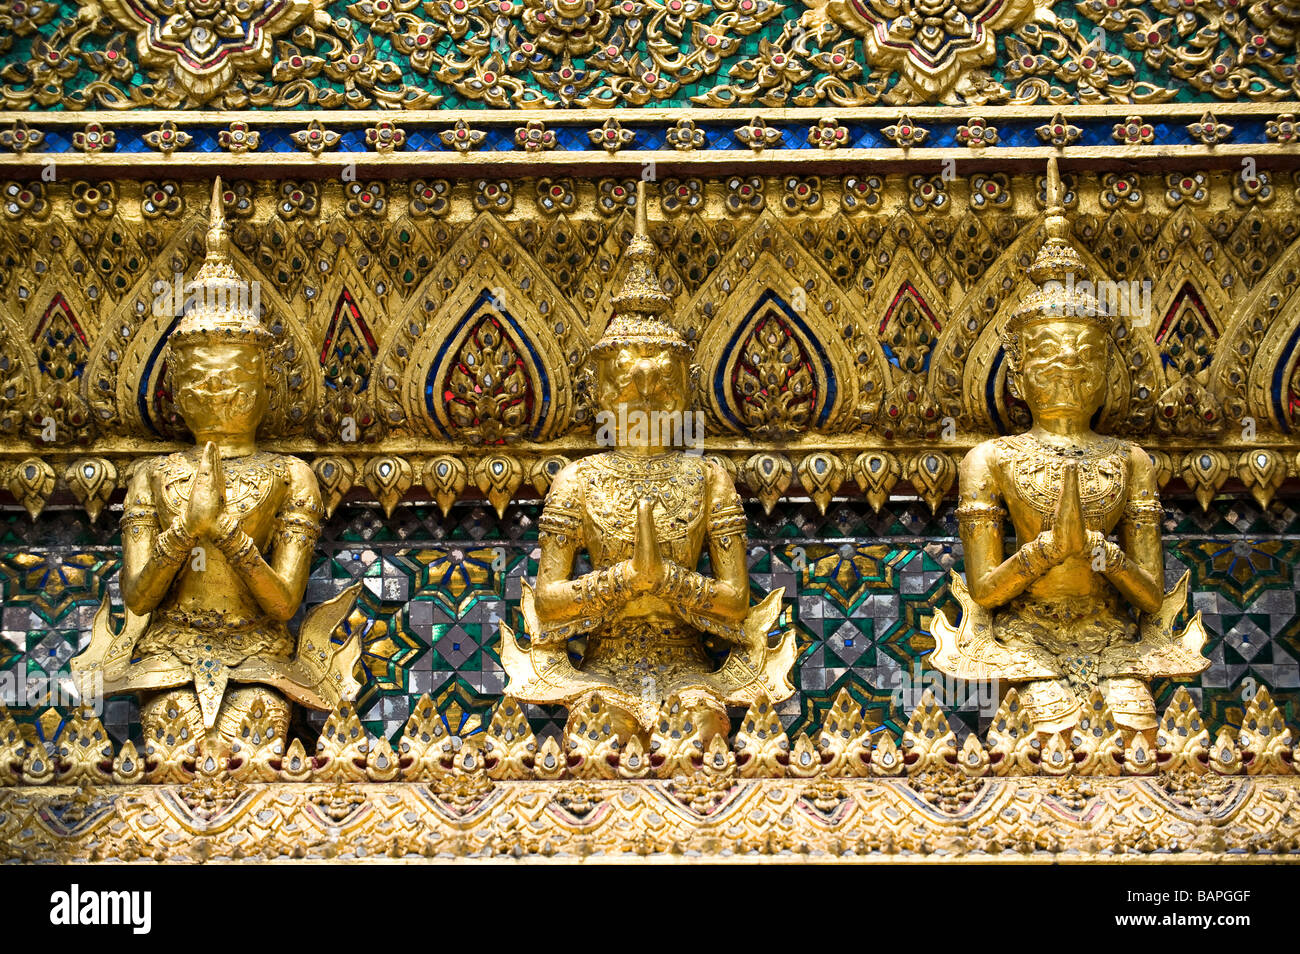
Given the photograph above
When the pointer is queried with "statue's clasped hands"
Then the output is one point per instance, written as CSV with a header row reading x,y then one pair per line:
x,y
207,494
647,571
1068,535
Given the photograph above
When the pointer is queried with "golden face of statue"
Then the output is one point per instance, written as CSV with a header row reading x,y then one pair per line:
x,y
642,378
220,387
1062,367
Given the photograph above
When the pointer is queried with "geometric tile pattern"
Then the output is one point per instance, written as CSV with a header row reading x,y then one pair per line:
x,y
1246,590
860,588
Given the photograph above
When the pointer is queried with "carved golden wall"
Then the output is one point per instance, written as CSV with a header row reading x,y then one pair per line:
x,y
887,294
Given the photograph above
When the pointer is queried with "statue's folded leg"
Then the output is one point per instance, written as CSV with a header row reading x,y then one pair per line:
x,y
705,711
174,710
1051,705
1131,704
588,717
708,714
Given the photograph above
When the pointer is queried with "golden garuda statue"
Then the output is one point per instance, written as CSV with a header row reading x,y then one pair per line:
x,y
1080,603
217,543
643,512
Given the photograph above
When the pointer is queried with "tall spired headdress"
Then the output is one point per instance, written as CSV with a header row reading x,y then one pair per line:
x,y
1058,271
641,301
222,306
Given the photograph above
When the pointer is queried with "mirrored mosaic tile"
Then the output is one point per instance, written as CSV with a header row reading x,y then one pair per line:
x,y
860,588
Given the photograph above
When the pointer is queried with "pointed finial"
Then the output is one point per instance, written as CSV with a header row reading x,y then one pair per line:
x,y
641,299
641,293
642,249
1057,258
642,226
1055,200
1058,226
218,243
1057,269
224,306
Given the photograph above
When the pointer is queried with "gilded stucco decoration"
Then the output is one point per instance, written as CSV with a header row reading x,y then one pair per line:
x,y
493,357
201,45
935,48
774,362
441,609
466,328
548,53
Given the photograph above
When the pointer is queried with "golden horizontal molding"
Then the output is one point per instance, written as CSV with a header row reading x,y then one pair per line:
x,y
872,821
16,449
722,162
854,792
34,476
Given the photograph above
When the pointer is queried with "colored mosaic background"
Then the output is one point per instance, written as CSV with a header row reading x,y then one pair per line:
x,y
539,53
859,585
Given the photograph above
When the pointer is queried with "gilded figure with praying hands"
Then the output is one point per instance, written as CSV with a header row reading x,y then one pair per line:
x,y
217,544
644,512
1079,602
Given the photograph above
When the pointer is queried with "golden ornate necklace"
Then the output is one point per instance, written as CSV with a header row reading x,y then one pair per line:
x,y
617,481
1038,470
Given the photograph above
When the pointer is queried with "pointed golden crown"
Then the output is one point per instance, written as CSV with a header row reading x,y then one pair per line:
x,y
222,303
641,300
1058,271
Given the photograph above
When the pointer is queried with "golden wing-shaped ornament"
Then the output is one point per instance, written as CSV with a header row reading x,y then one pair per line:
x,y
1161,651
320,675
755,668
971,651
541,673
108,658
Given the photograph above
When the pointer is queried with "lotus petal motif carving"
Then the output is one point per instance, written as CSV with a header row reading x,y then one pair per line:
x,y
205,42
932,44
